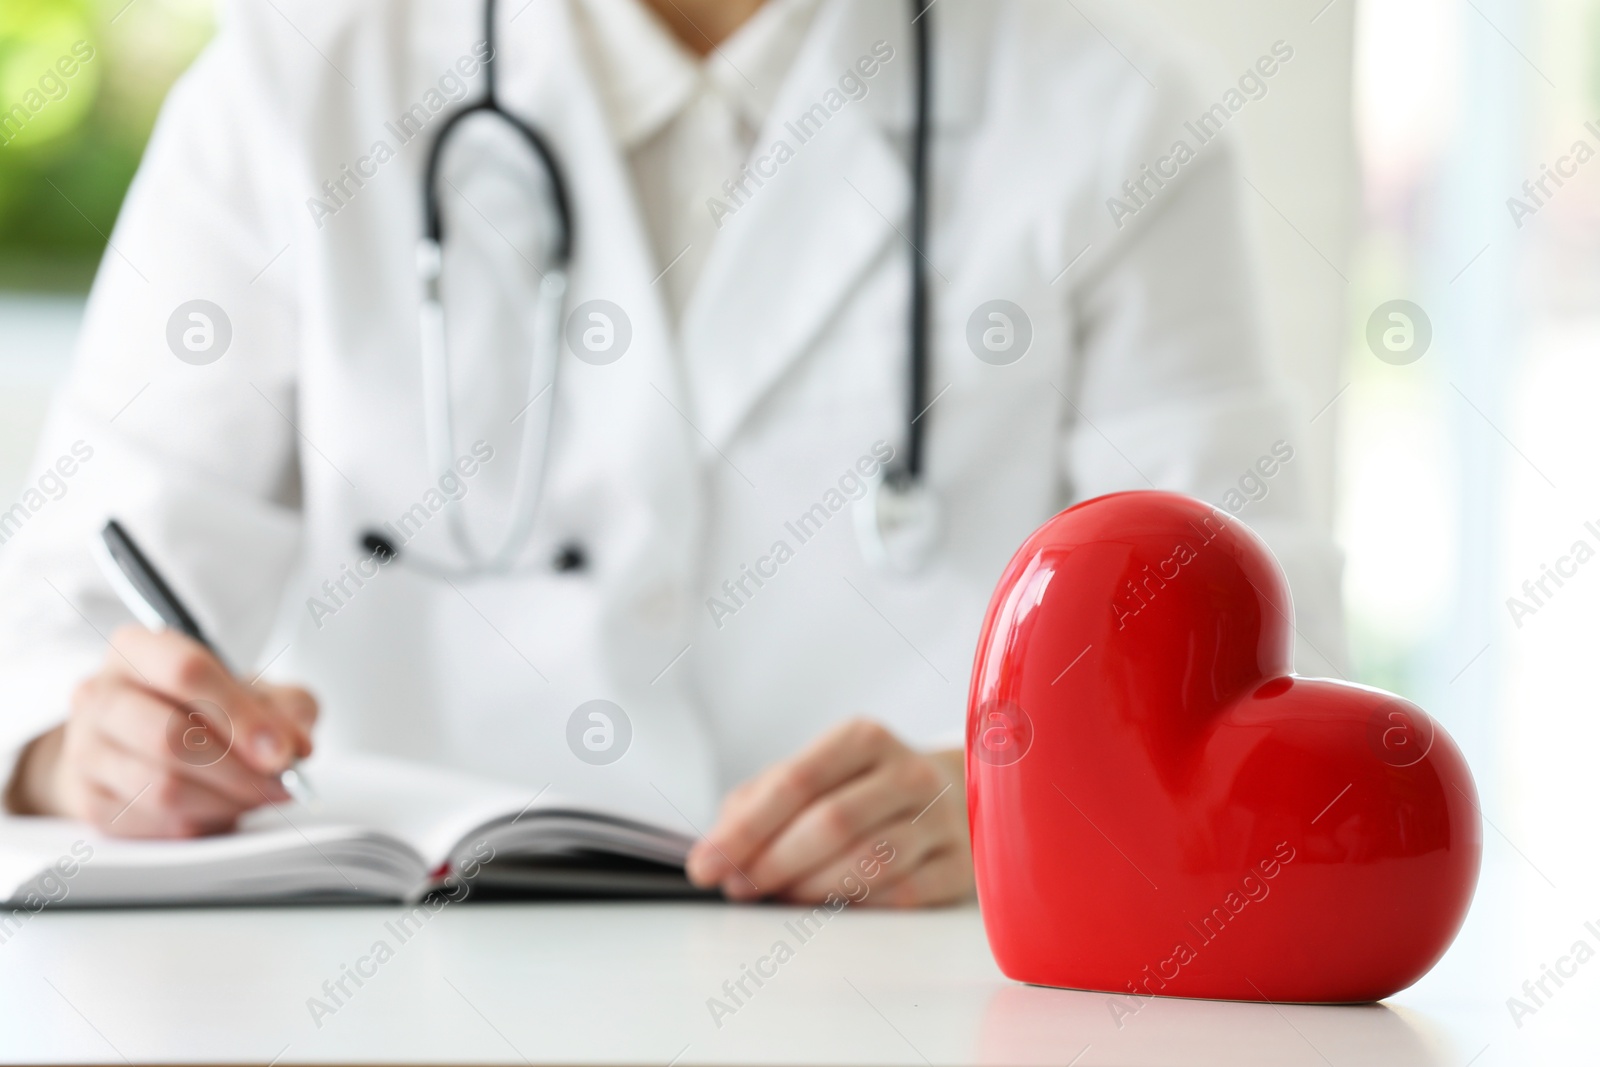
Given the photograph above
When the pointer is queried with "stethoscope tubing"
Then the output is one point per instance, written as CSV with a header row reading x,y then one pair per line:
x,y
917,374
905,482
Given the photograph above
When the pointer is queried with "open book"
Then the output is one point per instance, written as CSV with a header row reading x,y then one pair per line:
x,y
379,829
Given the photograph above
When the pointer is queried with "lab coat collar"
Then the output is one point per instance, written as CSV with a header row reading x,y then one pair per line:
x,y
821,204
647,76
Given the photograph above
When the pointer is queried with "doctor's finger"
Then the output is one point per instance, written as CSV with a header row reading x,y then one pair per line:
x,y
172,737
155,800
871,865
297,704
894,790
943,878
96,805
758,809
184,670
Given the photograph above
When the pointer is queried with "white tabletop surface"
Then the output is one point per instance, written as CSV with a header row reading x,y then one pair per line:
x,y
629,983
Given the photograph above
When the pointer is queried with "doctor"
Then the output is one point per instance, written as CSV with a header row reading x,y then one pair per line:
x,y
741,365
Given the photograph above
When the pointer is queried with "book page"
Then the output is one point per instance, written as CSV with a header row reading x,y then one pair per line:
x,y
71,864
377,827
430,808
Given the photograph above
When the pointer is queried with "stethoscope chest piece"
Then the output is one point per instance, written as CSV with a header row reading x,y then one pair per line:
x,y
899,523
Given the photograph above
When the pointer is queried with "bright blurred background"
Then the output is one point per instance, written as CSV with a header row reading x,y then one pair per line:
x,y
65,162
1448,480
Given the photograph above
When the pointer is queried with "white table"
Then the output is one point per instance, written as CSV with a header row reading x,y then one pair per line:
x,y
628,983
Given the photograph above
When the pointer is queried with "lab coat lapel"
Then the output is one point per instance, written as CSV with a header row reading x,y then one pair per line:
x,y
793,245
818,206
622,416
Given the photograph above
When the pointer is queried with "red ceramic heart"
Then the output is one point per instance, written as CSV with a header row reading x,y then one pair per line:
x,y
1160,806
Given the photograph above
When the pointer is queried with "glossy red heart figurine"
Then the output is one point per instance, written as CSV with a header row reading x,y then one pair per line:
x,y
1159,806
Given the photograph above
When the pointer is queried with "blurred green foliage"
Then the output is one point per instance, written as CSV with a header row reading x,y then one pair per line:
x,y
81,82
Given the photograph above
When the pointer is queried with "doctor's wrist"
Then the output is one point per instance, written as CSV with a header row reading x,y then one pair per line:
x,y
31,790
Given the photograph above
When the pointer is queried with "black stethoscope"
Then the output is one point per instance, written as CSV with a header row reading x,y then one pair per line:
x,y
898,521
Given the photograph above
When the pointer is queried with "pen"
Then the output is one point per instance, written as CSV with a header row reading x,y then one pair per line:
x,y
145,593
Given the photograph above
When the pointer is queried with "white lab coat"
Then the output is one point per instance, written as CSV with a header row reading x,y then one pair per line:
x,y
250,479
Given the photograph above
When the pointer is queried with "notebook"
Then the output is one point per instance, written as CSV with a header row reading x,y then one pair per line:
x,y
379,829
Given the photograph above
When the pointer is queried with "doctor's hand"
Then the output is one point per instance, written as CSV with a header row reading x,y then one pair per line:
x,y
164,742
857,814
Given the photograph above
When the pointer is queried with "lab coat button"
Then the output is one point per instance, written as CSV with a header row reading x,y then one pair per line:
x,y
570,557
